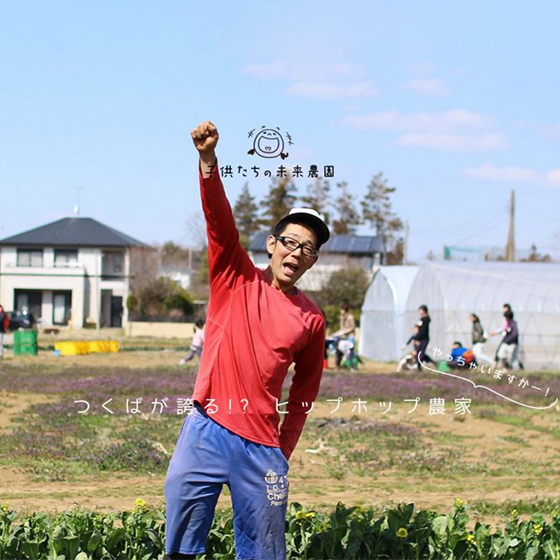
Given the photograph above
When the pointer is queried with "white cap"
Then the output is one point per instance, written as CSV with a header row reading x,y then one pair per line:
x,y
310,217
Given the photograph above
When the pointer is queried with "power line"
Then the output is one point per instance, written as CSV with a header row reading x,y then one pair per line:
x,y
489,227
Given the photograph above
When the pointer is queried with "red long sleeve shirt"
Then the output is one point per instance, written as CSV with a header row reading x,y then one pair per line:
x,y
254,332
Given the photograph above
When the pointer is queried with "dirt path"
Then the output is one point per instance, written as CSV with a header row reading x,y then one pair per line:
x,y
13,404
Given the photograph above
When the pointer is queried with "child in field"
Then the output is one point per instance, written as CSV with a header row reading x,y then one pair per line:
x,y
197,342
460,356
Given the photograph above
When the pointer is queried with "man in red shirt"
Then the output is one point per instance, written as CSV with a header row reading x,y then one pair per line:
x,y
258,324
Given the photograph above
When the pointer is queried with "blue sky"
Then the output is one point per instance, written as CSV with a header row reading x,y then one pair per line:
x,y
455,103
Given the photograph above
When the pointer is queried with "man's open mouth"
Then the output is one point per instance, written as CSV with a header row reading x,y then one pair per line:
x,y
290,269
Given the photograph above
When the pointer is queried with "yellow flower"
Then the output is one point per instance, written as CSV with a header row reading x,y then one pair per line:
x,y
402,533
139,505
514,517
300,515
470,538
459,503
310,514
538,529
5,507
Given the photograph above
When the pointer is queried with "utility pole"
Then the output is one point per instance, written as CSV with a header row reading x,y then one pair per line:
x,y
510,247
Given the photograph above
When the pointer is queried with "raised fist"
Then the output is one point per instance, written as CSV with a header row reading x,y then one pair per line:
x,y
205,137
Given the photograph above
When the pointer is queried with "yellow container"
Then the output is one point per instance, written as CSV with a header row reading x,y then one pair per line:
x,y
74,348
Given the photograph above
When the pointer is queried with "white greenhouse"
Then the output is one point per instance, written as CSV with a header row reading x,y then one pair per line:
x,y
382,324
452,291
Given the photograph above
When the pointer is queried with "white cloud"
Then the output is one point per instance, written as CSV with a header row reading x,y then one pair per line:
x,y
330,81
442,123
489,172
511,174
429,86
553,177
456,130
456,142
333,91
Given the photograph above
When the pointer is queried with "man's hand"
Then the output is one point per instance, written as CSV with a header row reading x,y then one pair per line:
x,y
205,137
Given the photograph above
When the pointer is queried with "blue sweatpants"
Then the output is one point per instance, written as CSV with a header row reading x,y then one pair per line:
x,y
208,456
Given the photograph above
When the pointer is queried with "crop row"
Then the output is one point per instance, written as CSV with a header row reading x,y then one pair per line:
x,y
345,533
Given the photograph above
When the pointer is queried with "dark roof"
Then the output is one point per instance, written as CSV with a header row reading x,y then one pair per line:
x,y
73,232
347,244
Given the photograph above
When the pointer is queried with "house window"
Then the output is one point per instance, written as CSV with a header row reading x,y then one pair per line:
x,y
65,257
113,263
29,300
30,257
62,307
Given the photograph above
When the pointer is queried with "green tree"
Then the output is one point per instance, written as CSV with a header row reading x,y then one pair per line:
x,y
378,213
164,297
280,199
347,285
535,256
173,255
318,194
246,216
348,218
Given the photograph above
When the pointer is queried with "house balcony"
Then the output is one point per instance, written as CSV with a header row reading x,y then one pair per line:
x,y
55,269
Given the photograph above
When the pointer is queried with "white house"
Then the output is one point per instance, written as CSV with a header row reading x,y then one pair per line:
x,y
339,252
74,270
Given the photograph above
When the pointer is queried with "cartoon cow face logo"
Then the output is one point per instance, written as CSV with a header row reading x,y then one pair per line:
x,y
269,143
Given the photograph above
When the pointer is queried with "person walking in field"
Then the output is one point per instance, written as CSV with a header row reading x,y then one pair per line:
x,y
258,324
514,358
197,342
479,339
347,335
422,336
509,343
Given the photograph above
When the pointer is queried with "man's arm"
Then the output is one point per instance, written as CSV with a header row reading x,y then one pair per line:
x,y
226,257
344,332
304,388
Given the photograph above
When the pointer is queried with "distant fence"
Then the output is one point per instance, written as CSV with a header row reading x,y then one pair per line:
x,y
160,329
150,319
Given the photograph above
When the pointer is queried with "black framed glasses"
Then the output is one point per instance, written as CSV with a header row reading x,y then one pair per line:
x,y
293,245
